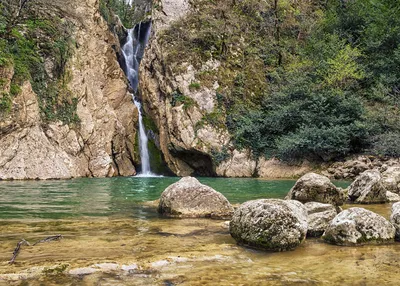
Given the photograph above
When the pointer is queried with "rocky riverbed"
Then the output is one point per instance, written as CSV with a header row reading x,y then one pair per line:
x,y
180,251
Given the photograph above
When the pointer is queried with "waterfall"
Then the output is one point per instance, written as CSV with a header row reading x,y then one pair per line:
x,y
132,52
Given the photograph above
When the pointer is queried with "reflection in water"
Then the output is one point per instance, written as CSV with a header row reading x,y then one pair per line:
x,y
114,196
105,221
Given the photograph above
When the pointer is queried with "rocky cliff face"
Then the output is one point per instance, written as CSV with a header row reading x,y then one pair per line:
x,y
183,110
184,141
102,144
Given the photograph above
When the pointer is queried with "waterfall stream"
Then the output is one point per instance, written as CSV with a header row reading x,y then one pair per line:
x,y
133,51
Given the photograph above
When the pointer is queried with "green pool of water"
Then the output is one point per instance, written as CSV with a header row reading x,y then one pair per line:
x,y
116,196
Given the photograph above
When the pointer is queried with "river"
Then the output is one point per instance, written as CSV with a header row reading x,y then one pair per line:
x,y
113,223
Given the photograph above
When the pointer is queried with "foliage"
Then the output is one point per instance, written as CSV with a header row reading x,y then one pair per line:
x,y
28,40
298,79
5,103
109,8
194,86
386,144
177,98
219,156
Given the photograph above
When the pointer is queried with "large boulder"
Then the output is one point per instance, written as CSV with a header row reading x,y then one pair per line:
x,y
189,198
395,219
319,217
368,188
391,179
316,188
357,226
392,197
270,224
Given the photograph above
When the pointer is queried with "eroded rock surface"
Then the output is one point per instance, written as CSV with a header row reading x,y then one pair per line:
x,y
189,198
319,217
368,188
391,179
316,188
102,144
356,226
392,197
395,219
270,224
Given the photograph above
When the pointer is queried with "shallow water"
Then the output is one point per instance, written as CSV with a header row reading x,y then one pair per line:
x,y
111,221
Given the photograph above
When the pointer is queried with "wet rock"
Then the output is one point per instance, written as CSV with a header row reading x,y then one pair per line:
x,y
189,198
368,188
391,179
392,197
356,226
395,219
319,217
82,271
270,224
130,267
107,267
316,188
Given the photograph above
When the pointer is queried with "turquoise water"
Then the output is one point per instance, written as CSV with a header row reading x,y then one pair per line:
x,y
116,196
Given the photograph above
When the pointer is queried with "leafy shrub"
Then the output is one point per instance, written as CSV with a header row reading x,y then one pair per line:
x,y
297,123
177,98
219,156
387,144
5,103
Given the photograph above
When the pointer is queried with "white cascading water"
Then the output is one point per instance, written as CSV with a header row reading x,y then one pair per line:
x,y
132,52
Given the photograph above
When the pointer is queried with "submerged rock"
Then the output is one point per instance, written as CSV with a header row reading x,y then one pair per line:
x,y
189,198
82,271
316,188
356,226
270,224
368,188
395,219
319,217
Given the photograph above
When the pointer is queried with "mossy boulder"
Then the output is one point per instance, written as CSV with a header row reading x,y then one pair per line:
x,y
270,224
357,226
319,217
316,188
368,188
189,198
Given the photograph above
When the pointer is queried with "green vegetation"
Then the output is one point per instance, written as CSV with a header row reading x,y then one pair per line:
x,y
125,12
315,80
177,98
219,156
28,40
194,86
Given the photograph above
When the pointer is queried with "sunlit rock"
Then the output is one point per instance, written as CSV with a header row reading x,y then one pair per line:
x,y
316,188
395,219
189,198
270,224
356,226
319,217
368,188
